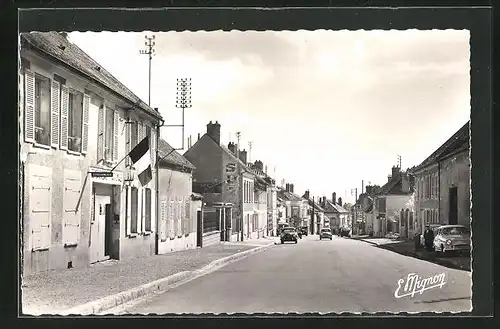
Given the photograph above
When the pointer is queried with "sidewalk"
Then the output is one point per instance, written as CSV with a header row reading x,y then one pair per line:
x,y
53,291
407,248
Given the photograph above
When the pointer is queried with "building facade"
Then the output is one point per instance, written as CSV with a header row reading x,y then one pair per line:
x,y
180,220
337,214
76,119
442,184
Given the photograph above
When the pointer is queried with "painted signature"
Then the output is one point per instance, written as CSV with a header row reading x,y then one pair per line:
x,y
414,284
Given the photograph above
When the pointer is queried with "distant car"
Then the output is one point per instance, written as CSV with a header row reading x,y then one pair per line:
x,y
452,238
281,226
304,230
325,233
289,234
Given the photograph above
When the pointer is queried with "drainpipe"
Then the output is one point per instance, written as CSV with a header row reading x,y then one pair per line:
x,y
157,185
439,191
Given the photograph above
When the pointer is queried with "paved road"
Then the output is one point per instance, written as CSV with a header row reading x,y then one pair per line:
x,y
341,275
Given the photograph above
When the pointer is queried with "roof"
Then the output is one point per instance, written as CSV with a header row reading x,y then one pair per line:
x,y
174,158
59,47
311,203
392,187
242,165
331,207
289,196
454,143
369,208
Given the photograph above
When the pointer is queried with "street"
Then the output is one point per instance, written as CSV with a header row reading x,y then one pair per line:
x,y
341,275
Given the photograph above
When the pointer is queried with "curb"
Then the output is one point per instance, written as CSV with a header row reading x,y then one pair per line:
x,y
103,304
367,241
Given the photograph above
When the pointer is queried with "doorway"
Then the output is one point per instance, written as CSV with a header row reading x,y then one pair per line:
x,y
453,204
199,229
100,229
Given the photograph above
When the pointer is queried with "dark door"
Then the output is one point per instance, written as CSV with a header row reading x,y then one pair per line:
x,y
453,211
222,221
108,230
199,229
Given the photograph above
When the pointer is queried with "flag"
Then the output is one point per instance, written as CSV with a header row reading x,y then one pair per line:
x,y
141,158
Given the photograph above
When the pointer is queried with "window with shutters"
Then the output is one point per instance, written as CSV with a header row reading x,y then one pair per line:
x,y
42,109
109,134
40,210
75,118
147,210
134,214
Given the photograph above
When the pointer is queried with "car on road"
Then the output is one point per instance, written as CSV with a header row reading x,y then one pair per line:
x,y
303,230
344,231
289,234
325,233
452,238
281,226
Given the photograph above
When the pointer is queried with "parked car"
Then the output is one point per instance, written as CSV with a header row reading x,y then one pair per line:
x,y
281,226
452,238
325,233
304,230
289,234
344,231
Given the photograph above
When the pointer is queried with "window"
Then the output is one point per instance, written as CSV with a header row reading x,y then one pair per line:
x,y
108,134
134,195
147,213
75,116
42,110
133,134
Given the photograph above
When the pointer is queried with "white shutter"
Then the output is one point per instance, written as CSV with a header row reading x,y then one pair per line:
x,y
71,218
100,134
171,218
54,118
143,212
129,209
116,117
153,146
180,217
153,210
40,204
64,117
127,141
29,112
140,209
85,123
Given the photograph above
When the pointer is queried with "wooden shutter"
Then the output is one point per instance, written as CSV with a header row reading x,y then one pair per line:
x,y
40,199
180,217
152,142
128,197
128,132
54,118
85,123
139,209
64,118
171,226
116,117
100,134
187,216
29,111
71,218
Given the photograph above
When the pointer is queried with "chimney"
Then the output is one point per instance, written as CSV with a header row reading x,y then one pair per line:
x,y
362,186
213,130
198,136
323,201
334,198
265,169
396,172
369,189
259,165
405,183
291,188
306,194
232,147
287,187
389,178
340,201
243,156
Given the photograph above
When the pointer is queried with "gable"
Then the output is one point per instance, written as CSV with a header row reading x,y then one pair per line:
x,y
206,156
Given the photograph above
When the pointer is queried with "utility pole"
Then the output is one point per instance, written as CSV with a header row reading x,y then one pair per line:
x,y
150,52
399,161
355,207
312,218
240,183
250,151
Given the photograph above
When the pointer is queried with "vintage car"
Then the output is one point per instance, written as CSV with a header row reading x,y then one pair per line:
x,y
281,226
289,234
344,231
452,238
325,233
304,230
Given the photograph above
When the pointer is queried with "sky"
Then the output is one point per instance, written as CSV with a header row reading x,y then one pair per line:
x,y
324,110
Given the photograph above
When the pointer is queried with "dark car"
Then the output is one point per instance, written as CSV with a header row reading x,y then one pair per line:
x,y
303,230
289,234
325,233
344,231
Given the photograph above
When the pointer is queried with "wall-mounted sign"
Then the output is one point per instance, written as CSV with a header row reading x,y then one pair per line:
x,y
231,167
102,174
